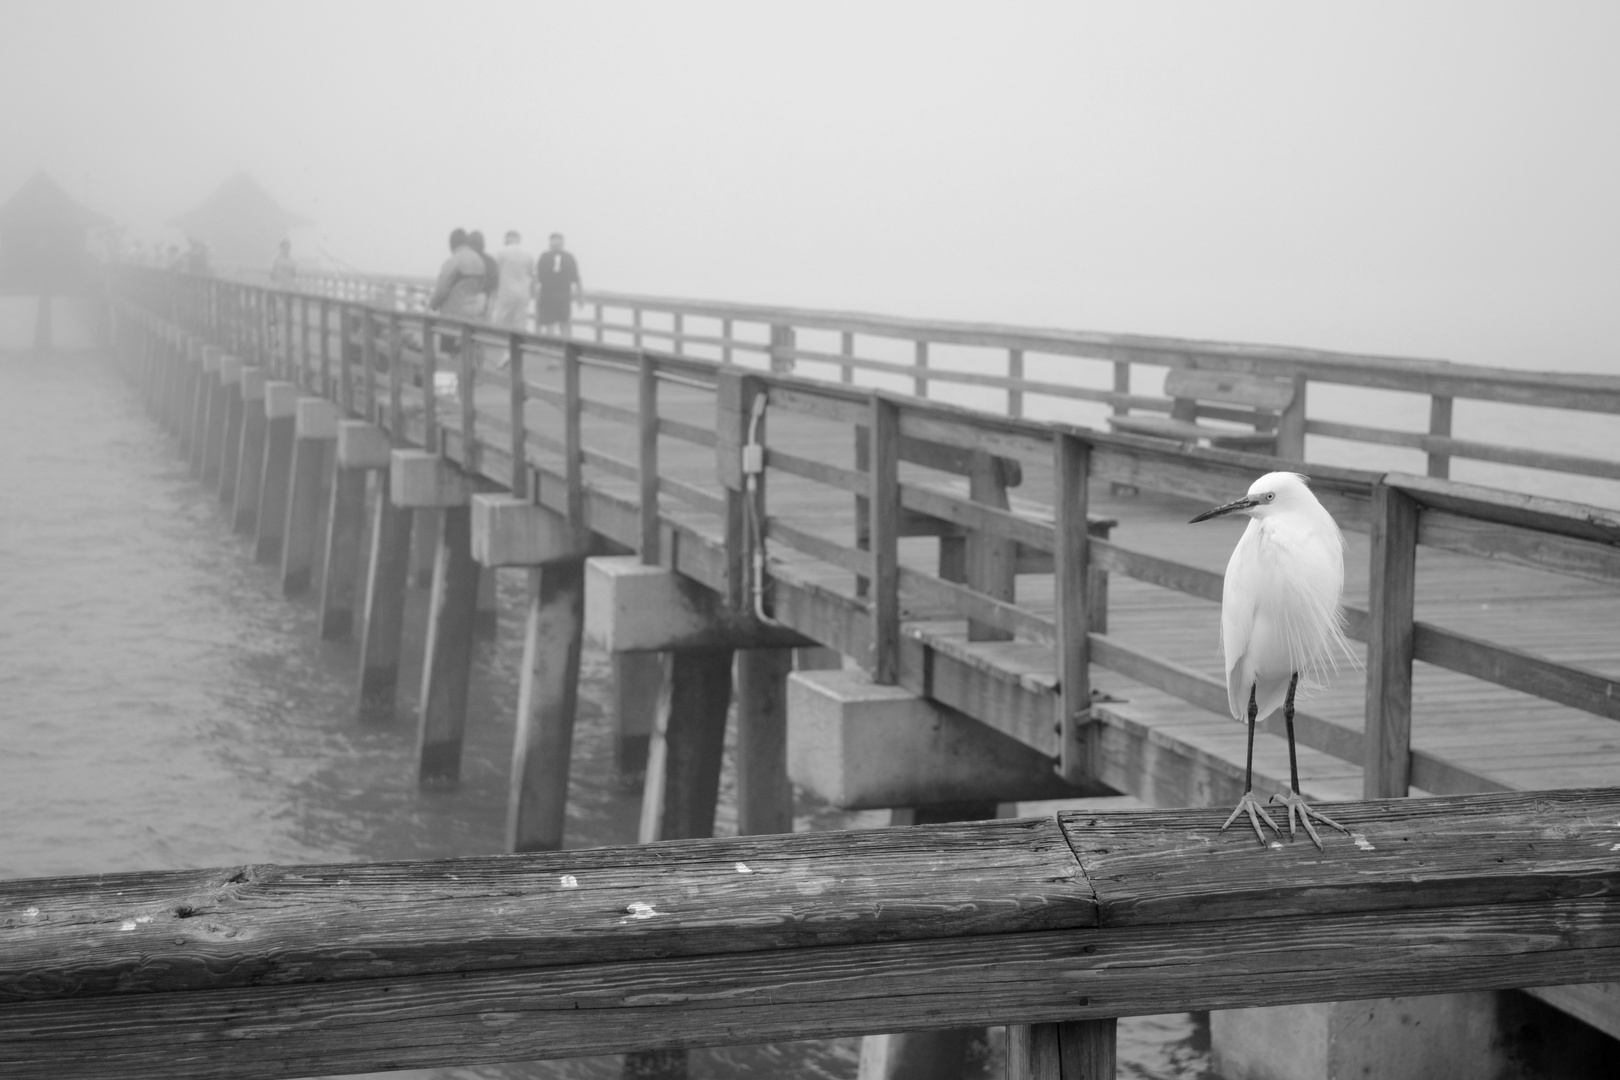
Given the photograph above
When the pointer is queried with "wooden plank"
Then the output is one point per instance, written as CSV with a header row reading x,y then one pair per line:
x,y
547,955
1390,591
1442,447
1233,388
1566,684
1153,867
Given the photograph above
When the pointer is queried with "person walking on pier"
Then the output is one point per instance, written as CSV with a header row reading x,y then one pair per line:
x,y
459,292
492,271
283,271
516,285
558,274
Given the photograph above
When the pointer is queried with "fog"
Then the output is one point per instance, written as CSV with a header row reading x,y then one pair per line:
x,y
1434,180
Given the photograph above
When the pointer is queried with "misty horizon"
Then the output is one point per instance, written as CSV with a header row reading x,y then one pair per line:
x,y
1432,182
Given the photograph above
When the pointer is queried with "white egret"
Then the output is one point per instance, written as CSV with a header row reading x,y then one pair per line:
x,y
1281,625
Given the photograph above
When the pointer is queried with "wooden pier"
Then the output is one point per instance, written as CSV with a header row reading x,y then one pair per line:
x,y
1020,608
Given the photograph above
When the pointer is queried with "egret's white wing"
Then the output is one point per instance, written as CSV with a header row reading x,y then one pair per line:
x,y
1239,600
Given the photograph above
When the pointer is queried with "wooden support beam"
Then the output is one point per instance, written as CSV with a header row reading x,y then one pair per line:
x,y
250,455
385,609
214,433
638,679
764,794
447,667
314,453
1392,581
280,430
1076,1050
345,534
683,760
548,695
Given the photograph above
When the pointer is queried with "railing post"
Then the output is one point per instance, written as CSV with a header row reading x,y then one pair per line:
x,y
1015,373
846,347
396,377
600,329
573,448
991,561
468,355
884,458
326,353
1072,561
782,345
368,365
1122,385
1386,770
647,459
921,380
635,323
520,431
678,334
725,335
430,387
1440,424
1291,424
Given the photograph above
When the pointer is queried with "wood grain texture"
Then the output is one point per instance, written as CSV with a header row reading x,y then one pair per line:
x,y
282,972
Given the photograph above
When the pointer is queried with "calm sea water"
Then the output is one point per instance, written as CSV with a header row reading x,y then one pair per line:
x,y
161,705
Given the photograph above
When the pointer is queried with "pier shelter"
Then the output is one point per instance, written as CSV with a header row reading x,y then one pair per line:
x,y
1012,609
47,273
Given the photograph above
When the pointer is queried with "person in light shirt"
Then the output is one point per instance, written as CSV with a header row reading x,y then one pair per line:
x,y
559,283
516,283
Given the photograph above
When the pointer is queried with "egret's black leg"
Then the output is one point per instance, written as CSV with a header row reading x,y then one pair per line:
x,y
1248,803
1288,719
1295,802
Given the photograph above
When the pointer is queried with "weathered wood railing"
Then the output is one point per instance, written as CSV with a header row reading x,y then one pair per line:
x,y
905,354
272,971
609,457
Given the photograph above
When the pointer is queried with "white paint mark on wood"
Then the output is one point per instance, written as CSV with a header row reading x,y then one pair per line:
x,y
568,881
1275,845
1362,842
639,910
742,868
130,924
33,912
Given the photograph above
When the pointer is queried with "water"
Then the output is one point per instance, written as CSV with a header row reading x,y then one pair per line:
x,y
162,707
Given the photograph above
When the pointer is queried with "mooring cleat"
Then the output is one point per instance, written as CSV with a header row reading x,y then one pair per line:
x,y
1248,803
1295,801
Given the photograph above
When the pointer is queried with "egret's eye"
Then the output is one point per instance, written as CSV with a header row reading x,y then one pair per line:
x,y
1270,495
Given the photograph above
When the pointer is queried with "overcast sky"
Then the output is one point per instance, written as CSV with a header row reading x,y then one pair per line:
x,y
1438,179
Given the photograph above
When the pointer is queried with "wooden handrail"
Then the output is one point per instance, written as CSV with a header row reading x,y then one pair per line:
x,y
270,971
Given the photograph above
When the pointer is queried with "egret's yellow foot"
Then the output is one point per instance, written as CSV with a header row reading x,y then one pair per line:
x,y
1295,802
1250,804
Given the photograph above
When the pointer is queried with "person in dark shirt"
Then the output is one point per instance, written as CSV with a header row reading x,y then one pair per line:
x,y
558,278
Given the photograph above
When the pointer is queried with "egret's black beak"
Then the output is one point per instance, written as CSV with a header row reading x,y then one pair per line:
x,y
1240,504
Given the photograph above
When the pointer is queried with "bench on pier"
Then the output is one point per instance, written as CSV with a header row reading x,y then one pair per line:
x,y
1222,395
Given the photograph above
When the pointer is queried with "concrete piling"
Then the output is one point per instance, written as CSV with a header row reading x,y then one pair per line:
x,y
315,436
281,419
385,609
230,378
547,705
250,452
447,669
362,451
